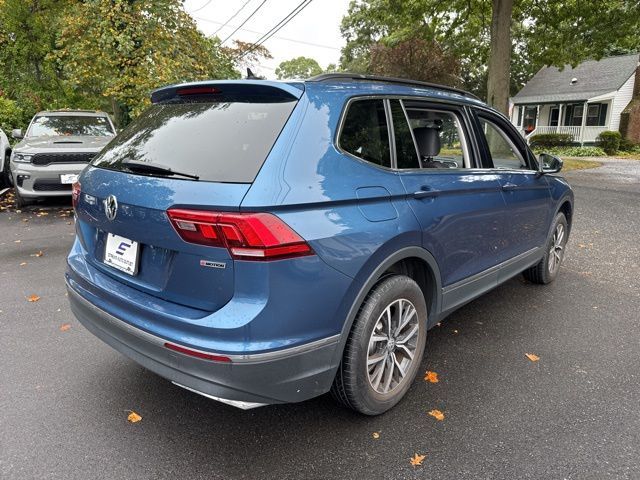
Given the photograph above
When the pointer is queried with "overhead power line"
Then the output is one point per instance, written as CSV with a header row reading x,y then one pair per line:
x,y
245,21
202,7
301,6
276,37
232,17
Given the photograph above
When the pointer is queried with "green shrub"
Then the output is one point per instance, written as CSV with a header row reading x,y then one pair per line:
x,y
551,140
609,141
572,151
10,115
627,145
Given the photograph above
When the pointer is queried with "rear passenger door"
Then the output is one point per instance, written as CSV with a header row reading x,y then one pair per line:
x,y
458,203
526,193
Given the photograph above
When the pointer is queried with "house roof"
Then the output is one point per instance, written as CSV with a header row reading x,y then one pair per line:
x,y
595,77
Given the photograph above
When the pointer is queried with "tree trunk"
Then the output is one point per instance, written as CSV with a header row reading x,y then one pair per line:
x,y
500,56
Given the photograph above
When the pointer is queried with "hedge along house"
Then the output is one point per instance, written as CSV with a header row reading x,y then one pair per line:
x,y
582,101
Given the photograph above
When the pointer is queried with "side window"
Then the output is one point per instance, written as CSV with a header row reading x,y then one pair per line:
x,y
439,138
406,154
364,132
504,153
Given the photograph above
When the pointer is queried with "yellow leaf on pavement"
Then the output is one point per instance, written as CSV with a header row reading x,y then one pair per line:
x,y
64,327
437,414
431,377
532,356
33,298
134,417
376,435
417,459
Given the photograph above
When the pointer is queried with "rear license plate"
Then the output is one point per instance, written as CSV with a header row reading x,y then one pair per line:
x,y
122,253
68,178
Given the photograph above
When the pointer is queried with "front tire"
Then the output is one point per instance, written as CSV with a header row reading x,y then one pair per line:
x,y
385,347
547,269
6,174
21,201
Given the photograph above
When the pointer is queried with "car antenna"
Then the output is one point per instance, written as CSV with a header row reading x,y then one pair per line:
x,y
251,75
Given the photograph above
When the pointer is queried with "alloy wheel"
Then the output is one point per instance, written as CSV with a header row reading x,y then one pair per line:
x,y
556,250
392,346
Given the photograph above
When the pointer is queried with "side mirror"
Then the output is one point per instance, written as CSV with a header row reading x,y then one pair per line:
x,y
17,133
549,164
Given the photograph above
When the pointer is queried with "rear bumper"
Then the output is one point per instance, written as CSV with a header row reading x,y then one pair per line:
x,y
283,376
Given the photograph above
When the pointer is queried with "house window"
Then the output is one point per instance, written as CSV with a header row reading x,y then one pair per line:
x,y
596,114
576,115
529,121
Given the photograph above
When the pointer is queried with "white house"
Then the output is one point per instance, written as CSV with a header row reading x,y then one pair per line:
x,y
581,101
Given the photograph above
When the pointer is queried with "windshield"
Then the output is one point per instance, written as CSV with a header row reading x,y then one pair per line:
x,y
65,125
218,141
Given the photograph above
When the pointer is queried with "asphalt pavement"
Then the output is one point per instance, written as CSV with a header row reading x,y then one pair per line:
x,y
573,414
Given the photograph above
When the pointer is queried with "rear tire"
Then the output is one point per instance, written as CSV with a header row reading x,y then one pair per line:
x,y
547,269
385,347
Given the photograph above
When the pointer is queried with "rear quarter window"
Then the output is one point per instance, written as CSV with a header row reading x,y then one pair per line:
x,y
365,133
218,141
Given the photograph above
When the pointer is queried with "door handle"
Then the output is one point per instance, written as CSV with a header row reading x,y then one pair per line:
x,y
509,187
426,192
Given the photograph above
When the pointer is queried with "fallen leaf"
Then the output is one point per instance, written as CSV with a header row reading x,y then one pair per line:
x,y
455,331
23,264
64,327
376,435
532,356
33,298
17,241
437,414
431,377
38,254
134,417
417,459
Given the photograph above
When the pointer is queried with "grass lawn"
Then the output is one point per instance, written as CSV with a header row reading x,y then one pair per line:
x,y
578,164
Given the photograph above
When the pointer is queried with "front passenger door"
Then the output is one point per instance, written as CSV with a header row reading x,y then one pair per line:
x,y
526,193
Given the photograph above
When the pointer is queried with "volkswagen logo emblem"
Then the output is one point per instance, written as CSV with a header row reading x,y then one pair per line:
x,y
111,207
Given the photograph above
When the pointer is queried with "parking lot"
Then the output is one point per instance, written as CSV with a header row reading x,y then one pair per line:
x,y
574,414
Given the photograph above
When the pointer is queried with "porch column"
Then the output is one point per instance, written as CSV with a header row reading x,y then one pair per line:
x,y
584,123
559,117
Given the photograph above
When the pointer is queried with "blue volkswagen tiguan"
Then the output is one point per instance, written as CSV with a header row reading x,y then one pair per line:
x,y
264,242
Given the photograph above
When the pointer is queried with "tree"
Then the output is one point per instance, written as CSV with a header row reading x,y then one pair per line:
x,y
300,67
415,58
120,50
500,55
28,73
538,33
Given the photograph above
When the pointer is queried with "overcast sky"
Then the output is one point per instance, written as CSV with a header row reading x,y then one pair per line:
x,y
318,24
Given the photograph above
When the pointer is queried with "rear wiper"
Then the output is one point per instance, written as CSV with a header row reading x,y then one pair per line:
x,y
144,167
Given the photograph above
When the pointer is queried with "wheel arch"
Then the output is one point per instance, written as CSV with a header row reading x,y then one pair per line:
x,y
415,262
566,207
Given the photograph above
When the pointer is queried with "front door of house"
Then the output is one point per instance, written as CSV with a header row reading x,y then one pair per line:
x,y
554,115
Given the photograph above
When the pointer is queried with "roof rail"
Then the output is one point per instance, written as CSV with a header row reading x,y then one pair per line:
x,y
326,77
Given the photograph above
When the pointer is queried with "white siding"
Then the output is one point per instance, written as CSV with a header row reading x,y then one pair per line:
x,y
620,101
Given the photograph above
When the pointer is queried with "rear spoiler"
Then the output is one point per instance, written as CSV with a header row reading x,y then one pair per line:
x,y
229,90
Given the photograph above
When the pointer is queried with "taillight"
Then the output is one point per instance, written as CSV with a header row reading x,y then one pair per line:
x,y
75,194
247,236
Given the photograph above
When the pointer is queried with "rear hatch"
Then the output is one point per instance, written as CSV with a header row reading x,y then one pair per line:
x,y
198,148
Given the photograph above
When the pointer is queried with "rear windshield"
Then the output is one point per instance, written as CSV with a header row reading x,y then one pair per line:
x,y
219,142
55,125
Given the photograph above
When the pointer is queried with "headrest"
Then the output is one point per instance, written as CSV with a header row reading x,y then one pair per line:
x,y
428,140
